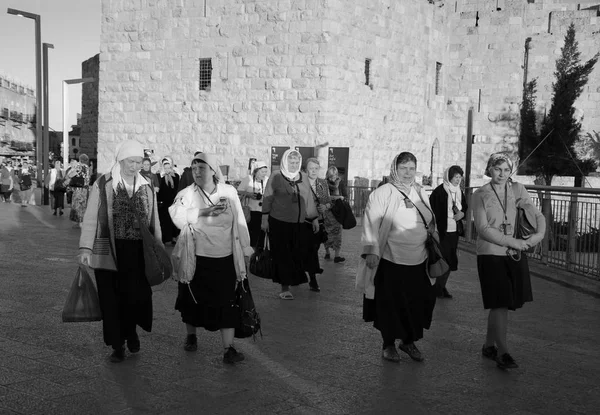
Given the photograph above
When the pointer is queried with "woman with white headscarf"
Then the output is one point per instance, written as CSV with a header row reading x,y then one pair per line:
x,y
168,185
213,211
111,244
284,213
252,189
502,266
449,205
398,294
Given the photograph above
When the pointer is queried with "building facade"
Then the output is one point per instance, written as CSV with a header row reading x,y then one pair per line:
x,y
17,120
88,140
237,77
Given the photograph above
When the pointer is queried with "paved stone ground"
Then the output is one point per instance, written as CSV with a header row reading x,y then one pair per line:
x,y
316,356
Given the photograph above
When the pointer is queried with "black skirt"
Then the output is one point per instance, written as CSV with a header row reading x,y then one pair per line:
x,y
449,245
256,234
209,299
505,283
312,242
404,301
288,247
125,296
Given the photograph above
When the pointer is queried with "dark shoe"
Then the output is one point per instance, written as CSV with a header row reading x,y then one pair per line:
x,y
411,350
314,286
118,355
446,294
338,259
61,213
489,352
327,256
133,343
506,362
390,353
191,343
54,213
232,356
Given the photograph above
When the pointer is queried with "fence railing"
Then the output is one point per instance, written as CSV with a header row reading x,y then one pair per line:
x,y
572,239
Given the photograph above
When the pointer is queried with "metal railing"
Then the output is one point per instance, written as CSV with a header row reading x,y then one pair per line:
x,y
572,239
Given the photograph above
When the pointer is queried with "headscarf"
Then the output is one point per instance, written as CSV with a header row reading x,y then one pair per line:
x,y
168,175
129,148
453,191
395,178
212,162
494,160
257,166
290,175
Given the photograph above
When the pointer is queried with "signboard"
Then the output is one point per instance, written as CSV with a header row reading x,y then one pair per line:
x,y
306,153
276,154
338,157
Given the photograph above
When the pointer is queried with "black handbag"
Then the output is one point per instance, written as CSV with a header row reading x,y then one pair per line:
x,y
260,261
59,185
249,319
460,225
322,236
342,211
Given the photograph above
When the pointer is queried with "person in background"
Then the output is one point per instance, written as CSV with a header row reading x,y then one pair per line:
x,y
168,185
501,263
16,189
223,250
393,240
252,187
78,178
449,205
146,171
284,213
337,190
317,204
55,184
6,182
26,183
72,165
118,201
187,177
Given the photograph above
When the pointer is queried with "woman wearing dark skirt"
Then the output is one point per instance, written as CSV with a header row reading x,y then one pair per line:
x,y
213,211
284,214
252,189
501,263
111,244
449,205
399,297
168,185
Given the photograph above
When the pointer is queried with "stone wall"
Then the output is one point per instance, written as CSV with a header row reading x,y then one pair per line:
x,y
291,72
88,140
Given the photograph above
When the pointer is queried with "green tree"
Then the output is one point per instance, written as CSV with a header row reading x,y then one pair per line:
x,y
528,135
553,157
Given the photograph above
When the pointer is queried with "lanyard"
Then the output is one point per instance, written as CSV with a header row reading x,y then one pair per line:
x,y
207,196
262,187
503,206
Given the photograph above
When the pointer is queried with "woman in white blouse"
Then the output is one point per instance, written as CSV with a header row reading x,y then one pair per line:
x,y
222,245
400,298
252,188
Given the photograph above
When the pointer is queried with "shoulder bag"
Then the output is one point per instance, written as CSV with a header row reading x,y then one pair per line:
x,y
524,229
249,319
261,262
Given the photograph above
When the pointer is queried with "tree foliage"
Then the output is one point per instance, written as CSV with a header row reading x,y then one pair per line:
x,y
527,128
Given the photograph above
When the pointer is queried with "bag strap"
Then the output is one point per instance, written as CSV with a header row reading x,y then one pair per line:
x,y
420,214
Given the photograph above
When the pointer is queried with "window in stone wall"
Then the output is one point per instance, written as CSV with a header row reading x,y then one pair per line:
x,y
205,73
438,78
368,72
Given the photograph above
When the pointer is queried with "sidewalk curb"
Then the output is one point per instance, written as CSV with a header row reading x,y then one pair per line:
x,y
536,269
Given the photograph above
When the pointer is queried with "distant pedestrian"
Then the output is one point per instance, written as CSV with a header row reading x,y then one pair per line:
x,y
26,183
284,214
111,244
316,205
79,183
393,240
449,205
187,177
337,190
16,190
6,182
501,263
252,190
146,171
168,185
222,246
55,182
72,166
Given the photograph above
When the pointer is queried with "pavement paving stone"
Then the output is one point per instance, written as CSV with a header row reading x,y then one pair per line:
x,y
316,355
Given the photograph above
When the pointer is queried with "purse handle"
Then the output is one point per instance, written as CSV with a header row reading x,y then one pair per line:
x,y
420,214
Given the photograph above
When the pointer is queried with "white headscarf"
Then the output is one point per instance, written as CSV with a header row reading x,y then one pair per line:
x,y
290,175
453,191
213,163
129,148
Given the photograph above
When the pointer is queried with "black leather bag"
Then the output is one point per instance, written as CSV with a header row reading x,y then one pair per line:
x,y
460,224
342,211
322,235
249,322
260,262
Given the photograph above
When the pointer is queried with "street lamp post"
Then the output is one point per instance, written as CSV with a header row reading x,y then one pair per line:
x,y
65,95
46,144
38,92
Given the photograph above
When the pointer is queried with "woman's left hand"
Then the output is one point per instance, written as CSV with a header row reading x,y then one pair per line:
x,y
459,216
315,225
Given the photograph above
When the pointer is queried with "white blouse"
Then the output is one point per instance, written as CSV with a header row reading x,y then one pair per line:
x,y
250,185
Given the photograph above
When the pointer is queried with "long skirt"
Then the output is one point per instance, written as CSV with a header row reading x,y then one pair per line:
x,y
125,295
78,204
334,231
57,199
404,301
313,243
505,283
257,236
288,248
209,299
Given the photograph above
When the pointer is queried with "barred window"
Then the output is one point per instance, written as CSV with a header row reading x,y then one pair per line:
x,y
438,78
367,71
205,73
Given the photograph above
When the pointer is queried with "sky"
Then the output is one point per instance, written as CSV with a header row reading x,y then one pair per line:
x,y
72,26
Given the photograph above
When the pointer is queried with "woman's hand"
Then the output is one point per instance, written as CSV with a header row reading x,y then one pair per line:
x,y
321,209
212,211
264,224
518,244
85,257
459,216
315,226
372,260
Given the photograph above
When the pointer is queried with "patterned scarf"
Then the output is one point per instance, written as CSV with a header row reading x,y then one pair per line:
x,y
453,191
168,175
395,178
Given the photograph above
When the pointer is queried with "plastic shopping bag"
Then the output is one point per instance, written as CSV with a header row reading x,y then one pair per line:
x,y
184,256
82,302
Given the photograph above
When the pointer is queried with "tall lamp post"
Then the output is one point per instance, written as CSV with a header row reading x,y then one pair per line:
x,y
46,144
66,83
38,92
